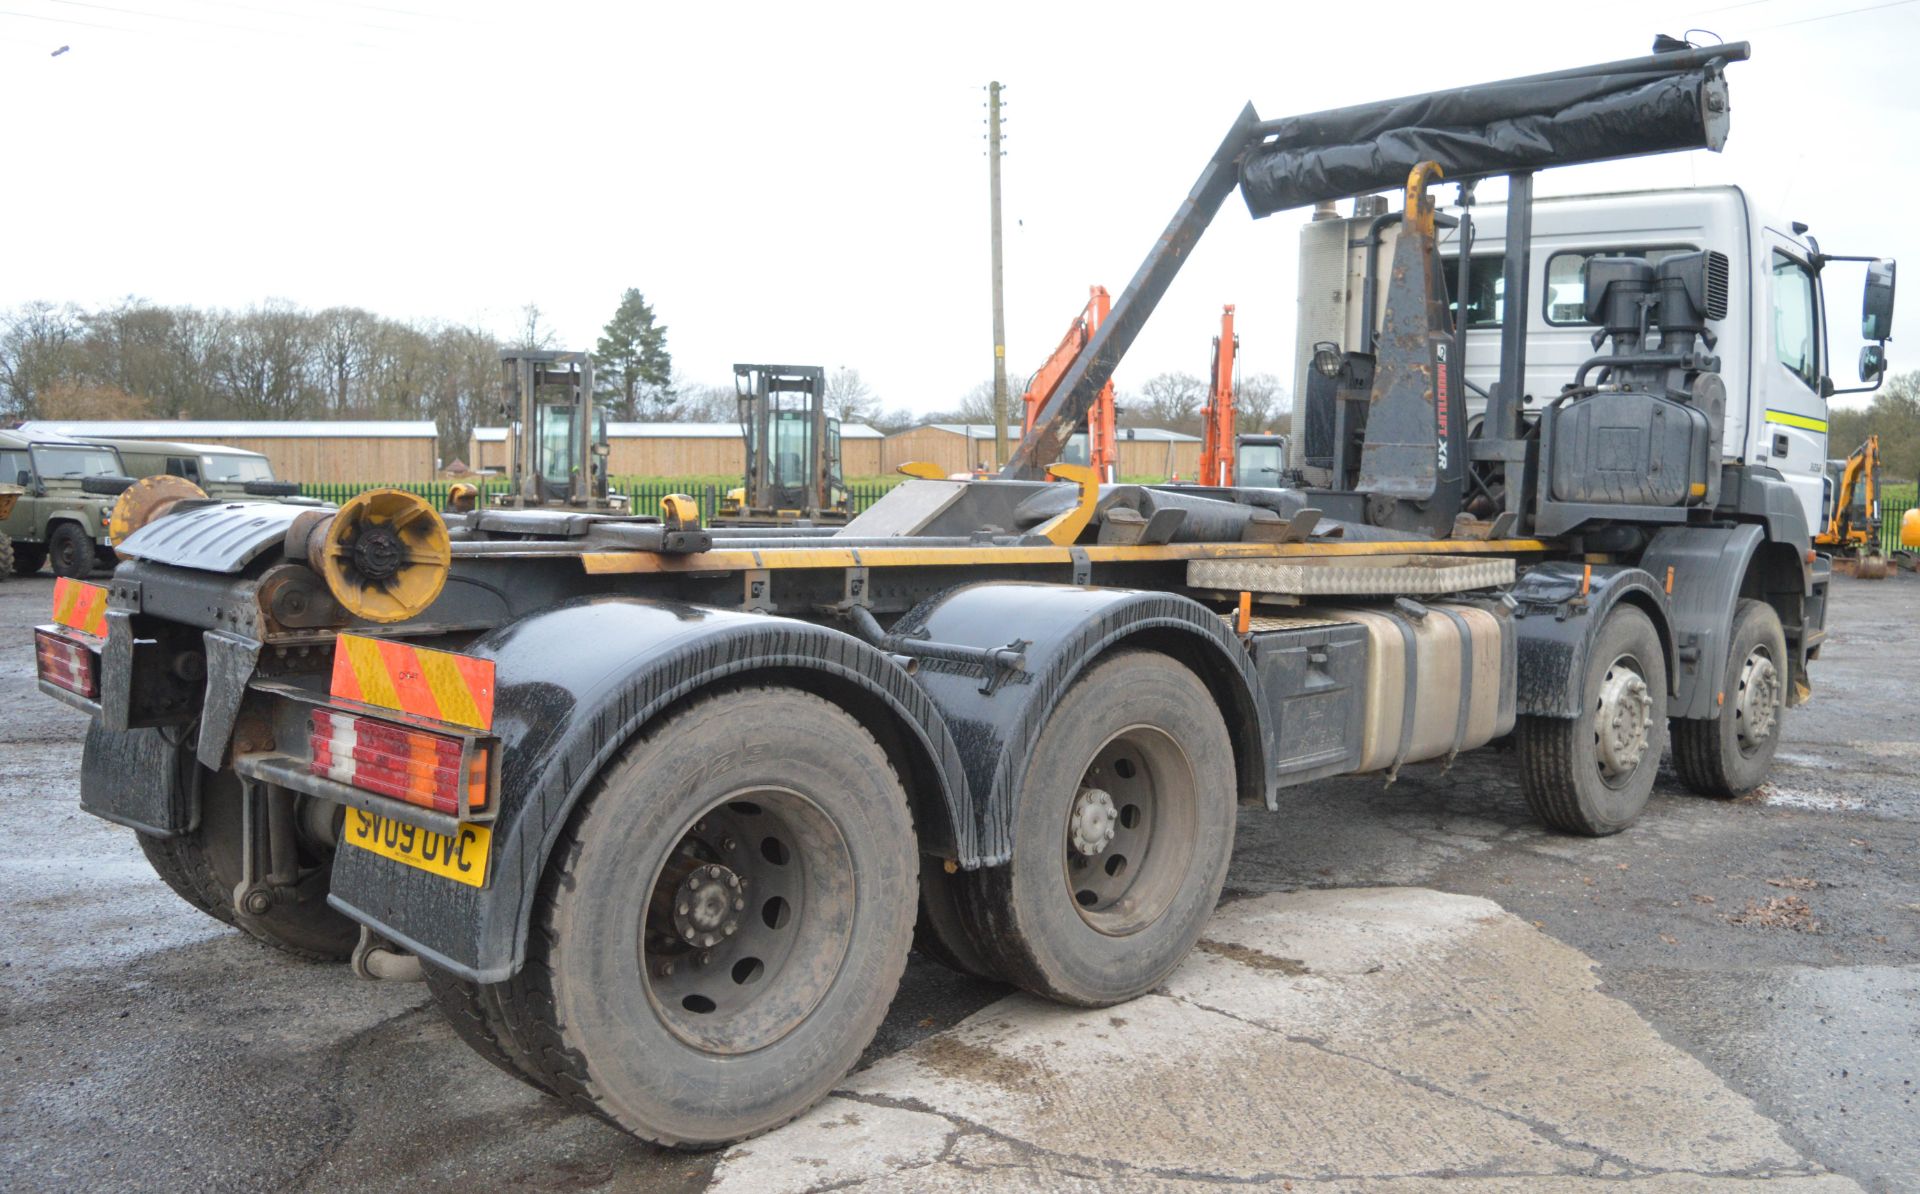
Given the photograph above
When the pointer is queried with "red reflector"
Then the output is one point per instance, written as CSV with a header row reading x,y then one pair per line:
x,y
66,664
393,760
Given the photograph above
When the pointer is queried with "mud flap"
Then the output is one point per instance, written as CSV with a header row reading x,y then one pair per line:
x,y
140,779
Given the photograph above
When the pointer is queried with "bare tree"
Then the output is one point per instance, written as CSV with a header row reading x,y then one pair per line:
x,y
265,363
344,337
39,345
849,398
1257,401
533,336
707,404
1169,400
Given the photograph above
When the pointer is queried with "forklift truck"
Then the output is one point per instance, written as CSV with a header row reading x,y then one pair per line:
x,y
793,451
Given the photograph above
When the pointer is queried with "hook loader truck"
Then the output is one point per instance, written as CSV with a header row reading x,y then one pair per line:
x,y
659,808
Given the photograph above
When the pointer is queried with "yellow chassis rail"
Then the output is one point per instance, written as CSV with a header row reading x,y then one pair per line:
x,y
905,556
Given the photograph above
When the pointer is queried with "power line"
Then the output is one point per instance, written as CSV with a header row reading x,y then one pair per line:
x,y
1832,15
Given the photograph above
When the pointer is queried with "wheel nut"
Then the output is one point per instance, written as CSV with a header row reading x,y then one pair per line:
x,y
728,844
259,903
739,904
683,909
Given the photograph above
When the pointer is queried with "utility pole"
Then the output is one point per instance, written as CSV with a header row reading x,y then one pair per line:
x,y
999,294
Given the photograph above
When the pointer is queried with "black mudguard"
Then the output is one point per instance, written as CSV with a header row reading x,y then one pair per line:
x,y
1561,607
1712,568
573,684
997,717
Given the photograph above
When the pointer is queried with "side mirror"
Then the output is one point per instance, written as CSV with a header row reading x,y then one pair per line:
x,y
24,477
1873,362
600,450
1876,307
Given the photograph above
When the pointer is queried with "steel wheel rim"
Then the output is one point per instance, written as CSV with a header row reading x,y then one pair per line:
x,y
1757,702
1623,721
1123,876
747,921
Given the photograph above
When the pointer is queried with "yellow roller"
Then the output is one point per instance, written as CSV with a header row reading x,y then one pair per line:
x,y
1910,528
385,555
147,499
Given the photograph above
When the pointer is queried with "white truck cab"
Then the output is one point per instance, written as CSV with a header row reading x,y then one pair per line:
x,y
1772,345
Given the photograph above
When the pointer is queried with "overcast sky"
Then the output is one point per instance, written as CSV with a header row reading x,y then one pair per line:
x,y
807,183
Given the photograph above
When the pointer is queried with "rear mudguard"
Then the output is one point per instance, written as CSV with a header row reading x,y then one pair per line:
x,y
1061,629
1560,608
572,685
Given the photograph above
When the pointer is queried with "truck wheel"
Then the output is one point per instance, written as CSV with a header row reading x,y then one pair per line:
x,y
474,1011
27,558
941,933
71,551
1731,755
203,868
723,923
183,866
1121,840
1592,774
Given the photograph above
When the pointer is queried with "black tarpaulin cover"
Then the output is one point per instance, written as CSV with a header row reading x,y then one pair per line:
x,y
1477,131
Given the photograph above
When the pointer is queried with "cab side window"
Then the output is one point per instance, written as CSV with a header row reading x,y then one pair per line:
x,y
184,466
12,465
1794,339
1566,297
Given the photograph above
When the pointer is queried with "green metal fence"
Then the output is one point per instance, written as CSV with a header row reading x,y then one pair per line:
x,y
644,499
1890,514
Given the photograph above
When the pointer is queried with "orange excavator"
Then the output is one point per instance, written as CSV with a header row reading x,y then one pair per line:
x,y
1101,451
1852,532
1216,434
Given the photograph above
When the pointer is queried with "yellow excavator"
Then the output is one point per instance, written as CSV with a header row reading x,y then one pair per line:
x,y
1852,532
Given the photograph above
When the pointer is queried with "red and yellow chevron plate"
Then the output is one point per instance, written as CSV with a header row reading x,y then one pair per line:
x,y
80,606
457,689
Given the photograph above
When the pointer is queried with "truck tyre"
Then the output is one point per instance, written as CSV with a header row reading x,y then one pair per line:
x,y
1121,840
27,558
940,933
1592,774
474,1011
723,923
203,868
71,550
1731,755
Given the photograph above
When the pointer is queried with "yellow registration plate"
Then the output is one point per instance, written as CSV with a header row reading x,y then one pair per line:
x,y
461,858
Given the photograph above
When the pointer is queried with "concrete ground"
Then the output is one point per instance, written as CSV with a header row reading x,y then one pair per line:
x,y
1406,983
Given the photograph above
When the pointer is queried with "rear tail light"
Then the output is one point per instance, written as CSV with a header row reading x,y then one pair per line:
x,y
67,664
429,770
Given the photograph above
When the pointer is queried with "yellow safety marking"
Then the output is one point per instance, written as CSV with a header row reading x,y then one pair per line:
x,y
80,606
722,560
1788,419
450,690
369,670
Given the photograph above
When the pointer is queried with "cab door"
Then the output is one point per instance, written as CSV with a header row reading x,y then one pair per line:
x,y
1789,372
